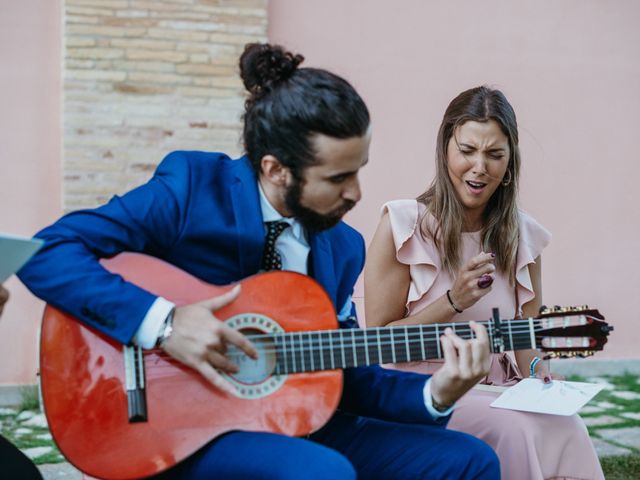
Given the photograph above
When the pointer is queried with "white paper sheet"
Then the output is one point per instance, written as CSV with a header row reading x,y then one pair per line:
x,y
556,398
14,252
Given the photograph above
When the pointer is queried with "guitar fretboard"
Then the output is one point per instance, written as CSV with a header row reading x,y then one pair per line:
x,y
310,351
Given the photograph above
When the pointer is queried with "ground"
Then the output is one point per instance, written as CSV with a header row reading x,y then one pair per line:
x,y
612,417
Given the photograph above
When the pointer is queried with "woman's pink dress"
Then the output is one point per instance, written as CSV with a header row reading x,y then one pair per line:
x,y
529,445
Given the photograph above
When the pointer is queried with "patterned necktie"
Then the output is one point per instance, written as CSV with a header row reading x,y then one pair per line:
x,y
271,259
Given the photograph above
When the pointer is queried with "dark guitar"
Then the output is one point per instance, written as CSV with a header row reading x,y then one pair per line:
x,y
119,412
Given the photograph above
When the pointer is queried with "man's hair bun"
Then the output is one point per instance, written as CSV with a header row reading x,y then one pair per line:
x,y
263,66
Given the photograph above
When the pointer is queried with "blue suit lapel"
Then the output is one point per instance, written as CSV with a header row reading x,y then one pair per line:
x,y
246,208
323,265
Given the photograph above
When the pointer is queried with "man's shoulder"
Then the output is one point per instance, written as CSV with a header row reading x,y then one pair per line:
x,y
343,234
194,159
190,168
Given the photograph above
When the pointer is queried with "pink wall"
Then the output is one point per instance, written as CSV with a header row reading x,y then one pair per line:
x,y
30,158
571,69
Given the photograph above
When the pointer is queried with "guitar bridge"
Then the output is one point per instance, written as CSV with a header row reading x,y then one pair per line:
x,y
134,382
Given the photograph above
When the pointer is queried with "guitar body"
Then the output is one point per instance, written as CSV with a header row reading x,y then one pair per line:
x,y
83,380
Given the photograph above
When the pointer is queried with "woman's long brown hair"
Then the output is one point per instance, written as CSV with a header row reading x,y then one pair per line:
x,y
500,230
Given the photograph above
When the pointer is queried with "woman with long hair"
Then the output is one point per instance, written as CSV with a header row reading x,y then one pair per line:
x,y
460,249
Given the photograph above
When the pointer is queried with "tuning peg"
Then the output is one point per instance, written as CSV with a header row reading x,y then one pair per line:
x,y
543,309
557,308
606,329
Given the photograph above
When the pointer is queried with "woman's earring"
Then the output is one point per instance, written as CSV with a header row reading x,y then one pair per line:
x,y
506,181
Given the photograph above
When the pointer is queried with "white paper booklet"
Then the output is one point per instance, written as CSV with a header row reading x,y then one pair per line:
x,y
556,398
14,252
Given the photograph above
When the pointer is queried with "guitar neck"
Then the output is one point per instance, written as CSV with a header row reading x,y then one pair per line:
x,y
309,351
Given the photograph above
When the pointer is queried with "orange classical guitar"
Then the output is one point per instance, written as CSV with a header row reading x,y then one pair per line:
x,y
120,412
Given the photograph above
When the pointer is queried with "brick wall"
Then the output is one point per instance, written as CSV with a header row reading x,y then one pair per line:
x,y
143,78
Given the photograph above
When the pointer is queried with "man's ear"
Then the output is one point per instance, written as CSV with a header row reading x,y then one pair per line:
x,y
273,171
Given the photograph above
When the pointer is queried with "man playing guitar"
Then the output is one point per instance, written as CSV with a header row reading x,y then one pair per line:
x,y
306,136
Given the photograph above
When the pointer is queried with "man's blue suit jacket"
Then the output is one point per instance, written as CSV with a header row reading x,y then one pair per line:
x,y
201,213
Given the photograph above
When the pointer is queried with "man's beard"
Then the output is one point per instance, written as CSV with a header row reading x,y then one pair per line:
x,y
311,220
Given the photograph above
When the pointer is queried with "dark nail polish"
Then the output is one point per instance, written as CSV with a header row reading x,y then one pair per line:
x,y
493,255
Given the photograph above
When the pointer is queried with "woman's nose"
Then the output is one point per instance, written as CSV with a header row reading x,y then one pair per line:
x,y
479,164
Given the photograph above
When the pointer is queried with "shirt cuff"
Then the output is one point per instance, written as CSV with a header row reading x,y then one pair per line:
x,y
147,334
346,310
428,403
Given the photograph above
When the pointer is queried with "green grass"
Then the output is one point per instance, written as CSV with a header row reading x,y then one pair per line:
x,y
621,468
30,402
30,440
617,467
30,399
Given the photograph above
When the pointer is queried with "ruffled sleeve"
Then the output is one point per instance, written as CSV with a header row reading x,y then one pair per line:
x,y
533,239
412,248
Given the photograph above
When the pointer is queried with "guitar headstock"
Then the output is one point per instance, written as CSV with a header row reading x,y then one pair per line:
x,y
571,331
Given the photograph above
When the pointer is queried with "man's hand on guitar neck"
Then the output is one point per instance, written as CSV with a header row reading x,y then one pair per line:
x,y
465,363
199,339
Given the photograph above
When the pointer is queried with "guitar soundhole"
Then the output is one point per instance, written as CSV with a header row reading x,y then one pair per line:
x,y
255,371
255,378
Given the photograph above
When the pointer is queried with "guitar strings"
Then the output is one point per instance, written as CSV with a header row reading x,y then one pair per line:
x,y
382,340
333,338
300,346
305,360
314,340
400,349
520,327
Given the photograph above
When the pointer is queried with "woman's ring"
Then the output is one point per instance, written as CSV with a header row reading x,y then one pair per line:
x,y
485,281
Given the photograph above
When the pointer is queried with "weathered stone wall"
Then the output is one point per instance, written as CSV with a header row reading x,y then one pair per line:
x,y
143,78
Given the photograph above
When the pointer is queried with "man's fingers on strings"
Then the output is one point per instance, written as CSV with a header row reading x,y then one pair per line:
x,y
480,347
463,349
220,301
234,337
220,362
480,332
448,349
214,377
455,339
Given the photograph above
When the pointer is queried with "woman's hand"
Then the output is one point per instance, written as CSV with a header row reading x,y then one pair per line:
x,y
473,281
541,371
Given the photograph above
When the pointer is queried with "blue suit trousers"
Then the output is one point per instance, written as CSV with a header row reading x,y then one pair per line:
x,y
348,447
